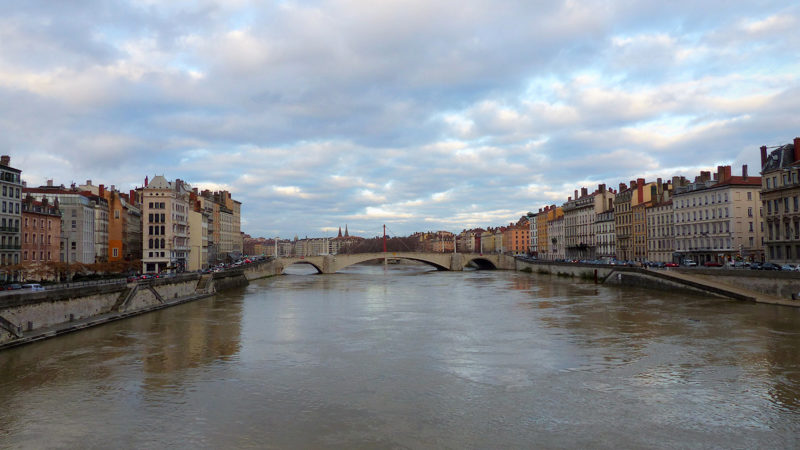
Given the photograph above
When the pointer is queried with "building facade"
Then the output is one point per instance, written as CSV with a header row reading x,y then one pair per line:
x,y
604,232
717,220
623,222
77,221
10,218
165,217
41,238
780,192
660,231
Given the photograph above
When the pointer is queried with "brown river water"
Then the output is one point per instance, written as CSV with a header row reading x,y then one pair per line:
x,y
414,358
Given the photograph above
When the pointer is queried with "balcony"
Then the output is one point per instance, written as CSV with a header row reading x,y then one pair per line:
x,y
10,247
9,229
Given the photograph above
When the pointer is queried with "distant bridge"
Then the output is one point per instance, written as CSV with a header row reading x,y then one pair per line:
x,y
441,261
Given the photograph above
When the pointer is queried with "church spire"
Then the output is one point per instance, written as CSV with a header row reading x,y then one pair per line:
x,y
340,232
346,234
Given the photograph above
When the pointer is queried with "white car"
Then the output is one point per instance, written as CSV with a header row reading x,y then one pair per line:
x,y
33,287
689,263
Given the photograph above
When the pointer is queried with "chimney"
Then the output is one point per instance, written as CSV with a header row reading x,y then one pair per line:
x,y
576,194
88,182
727,170
5,160
601,188
633,184
569,199
50,182
113,188
796,149
744,172
622,187
640,190
584,192
764,155
102,190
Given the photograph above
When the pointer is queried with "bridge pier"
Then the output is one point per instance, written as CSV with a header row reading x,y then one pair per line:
x,y
329,264
457,262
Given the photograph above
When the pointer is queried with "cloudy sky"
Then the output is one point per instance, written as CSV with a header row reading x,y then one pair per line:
x,y
423,115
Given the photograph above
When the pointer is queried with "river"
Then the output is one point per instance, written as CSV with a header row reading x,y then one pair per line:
x,y
415,358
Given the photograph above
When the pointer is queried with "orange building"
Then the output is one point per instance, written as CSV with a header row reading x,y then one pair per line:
x,y
516,238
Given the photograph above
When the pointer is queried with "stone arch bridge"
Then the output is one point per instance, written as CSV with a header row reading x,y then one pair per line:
x,y
441,261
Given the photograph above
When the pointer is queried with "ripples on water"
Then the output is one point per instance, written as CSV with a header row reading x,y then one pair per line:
x,y
412,357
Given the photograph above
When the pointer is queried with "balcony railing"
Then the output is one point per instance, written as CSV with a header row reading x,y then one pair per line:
x,y
9,229
10,247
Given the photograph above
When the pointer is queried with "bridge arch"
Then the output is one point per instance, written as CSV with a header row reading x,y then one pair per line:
x,y
354,259
301,261
482,262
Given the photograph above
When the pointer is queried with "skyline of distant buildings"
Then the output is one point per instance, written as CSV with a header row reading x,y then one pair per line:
x,y
170,226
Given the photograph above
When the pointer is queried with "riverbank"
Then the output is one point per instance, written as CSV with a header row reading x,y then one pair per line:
x,y
775,288
27,317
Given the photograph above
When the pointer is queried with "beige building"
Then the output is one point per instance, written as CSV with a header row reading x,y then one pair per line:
x,y
165,223
555,235
623,222
660,231
717,219
780,191
198,240
580,215
641,199
604,232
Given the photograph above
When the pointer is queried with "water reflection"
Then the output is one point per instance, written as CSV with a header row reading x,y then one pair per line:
x,y
40,381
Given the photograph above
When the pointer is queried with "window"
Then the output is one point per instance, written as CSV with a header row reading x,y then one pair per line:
x,y
115,252
116,214
74,246
74,224
749,212
751,227
749,196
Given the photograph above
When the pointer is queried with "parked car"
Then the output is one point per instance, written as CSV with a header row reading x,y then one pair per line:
x,y
13,287
712,264
770,266
755,266
788,267
671,264
33,286
689,263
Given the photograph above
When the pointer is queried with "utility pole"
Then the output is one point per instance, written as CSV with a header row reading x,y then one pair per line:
x,y
385,262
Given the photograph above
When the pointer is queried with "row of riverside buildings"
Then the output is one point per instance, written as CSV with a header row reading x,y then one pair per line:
x,y
161,226
717,217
